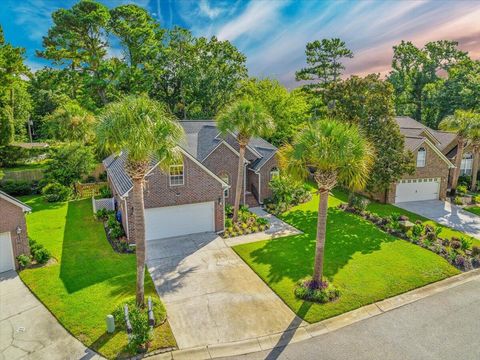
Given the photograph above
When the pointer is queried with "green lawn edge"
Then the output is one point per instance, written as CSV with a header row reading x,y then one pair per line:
x,y
356,254
87,280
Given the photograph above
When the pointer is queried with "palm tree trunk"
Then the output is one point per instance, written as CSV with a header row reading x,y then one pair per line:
x,y
139,223
458,163
238,188
476,155
321,232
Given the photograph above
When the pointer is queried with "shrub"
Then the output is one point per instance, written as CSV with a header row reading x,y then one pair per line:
x,y
465,244
41,255
357,202
476,261
55,192
23,260
103,176
323,293
476,199
228,210
262,221
19,188
105,192
458,200
141,333
462,189
464,180
159,311
460,261
417,229
228,223
475,250
455,244
286,190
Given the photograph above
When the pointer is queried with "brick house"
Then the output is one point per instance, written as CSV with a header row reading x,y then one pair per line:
x,y
431,177
13,231
190,197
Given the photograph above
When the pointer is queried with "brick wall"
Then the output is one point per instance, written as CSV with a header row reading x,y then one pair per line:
x,y
223,159
265,191
199,186
12,216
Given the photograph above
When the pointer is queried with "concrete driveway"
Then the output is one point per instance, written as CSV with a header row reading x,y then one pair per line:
x,y
29,331
211,295
446,214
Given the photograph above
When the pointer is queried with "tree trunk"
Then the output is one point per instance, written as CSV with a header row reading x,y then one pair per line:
x,y
238,189
458,163
139,223
321,232
476,154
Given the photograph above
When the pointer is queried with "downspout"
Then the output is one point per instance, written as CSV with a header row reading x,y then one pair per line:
x,y
244,182
126,217
259,188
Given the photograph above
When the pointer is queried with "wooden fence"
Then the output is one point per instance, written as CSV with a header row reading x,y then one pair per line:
x,y
89,189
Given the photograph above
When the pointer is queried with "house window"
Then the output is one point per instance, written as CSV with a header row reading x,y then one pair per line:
x,y
274,173
226,179
467,164
176,175
421,157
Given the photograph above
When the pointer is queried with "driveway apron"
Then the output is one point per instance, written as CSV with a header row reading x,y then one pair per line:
x,y
446,214
211,295
29,331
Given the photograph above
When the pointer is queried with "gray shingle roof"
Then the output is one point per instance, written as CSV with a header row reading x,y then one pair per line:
x,y
201,137
411,128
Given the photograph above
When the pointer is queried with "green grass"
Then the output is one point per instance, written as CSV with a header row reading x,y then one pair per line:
x,y
366,264
22,167
89,279
473,209
389,209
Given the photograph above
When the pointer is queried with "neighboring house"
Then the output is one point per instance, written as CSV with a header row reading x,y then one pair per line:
x,y
13,231
430,179
190,197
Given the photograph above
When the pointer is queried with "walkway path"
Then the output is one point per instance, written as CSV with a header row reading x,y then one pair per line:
x,y
29,331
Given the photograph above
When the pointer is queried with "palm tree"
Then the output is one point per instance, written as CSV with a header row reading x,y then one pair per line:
x,y
461,123
334,153
474,138
144,130
247,118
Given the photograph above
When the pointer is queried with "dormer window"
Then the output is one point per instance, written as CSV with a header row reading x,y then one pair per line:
x,y
176,175
421,157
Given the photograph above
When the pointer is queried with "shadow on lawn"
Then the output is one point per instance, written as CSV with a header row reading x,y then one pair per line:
x,y
87,257
293,256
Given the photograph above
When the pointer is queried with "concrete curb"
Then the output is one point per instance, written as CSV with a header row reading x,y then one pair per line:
x,y
307,331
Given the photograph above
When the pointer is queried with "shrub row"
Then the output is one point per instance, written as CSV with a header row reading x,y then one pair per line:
x,y
114,230
248,223
286,193
37,252
457,251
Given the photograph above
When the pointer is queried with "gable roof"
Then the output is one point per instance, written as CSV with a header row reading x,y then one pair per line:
x,y
413,129
11,199
115,167
202,136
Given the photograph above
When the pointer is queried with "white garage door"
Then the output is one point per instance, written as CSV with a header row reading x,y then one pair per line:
x,y
179,220
6,253
417,190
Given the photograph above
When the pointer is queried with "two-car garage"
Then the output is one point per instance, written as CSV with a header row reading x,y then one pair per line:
x,y
417,190
170,221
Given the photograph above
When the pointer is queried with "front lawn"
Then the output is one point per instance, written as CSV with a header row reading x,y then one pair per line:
x,y
389,209
473,209
89,279
366,264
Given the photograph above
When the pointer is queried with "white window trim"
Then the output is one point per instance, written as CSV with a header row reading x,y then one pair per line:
x,y
225,174
276,172
424,158
170,175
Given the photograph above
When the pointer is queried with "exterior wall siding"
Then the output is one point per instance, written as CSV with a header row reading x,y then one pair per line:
x,y
12,216
198,187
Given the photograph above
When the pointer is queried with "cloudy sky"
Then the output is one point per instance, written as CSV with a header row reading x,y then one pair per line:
x,y
273,33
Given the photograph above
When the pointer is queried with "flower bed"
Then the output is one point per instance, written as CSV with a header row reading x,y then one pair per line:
x,y
286,193
114,231
248,223
457,251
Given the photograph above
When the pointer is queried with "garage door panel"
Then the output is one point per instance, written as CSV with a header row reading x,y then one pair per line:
x,y
6,252
417,190
179,220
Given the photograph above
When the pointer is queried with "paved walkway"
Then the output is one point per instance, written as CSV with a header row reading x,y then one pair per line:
x,y
211,295
29,331
446,214
443,326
